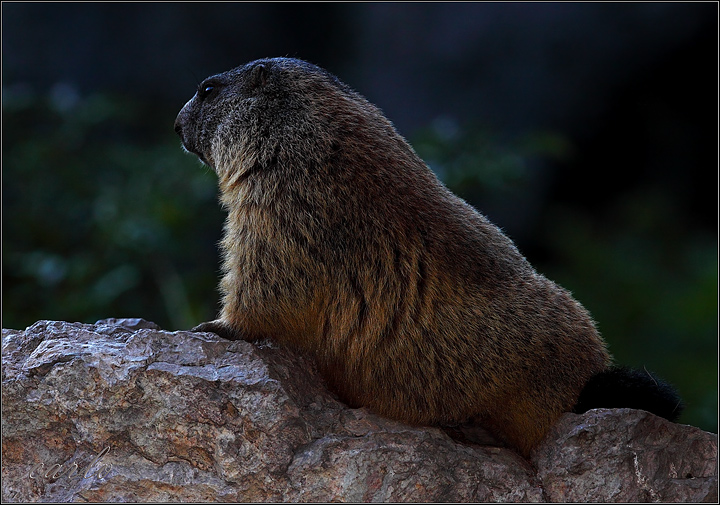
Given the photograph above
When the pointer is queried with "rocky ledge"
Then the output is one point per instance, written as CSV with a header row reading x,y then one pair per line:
x,y
124,411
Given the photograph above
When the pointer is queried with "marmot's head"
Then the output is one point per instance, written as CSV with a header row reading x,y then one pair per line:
x,y
270,112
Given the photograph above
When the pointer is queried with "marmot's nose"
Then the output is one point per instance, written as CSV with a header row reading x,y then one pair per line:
x,y
178,127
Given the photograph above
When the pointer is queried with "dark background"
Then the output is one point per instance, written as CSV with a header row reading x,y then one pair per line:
x,y
587,131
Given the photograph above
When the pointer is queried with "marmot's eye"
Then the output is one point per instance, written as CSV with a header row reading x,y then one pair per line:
x,y
206,89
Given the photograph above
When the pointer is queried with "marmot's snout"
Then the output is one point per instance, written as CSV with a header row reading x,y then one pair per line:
x,y
178,128
182,130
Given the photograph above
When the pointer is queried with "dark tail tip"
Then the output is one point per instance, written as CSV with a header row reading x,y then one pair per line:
x,y
623,387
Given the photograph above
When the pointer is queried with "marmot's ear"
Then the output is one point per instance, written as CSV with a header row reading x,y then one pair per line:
x,y
258,76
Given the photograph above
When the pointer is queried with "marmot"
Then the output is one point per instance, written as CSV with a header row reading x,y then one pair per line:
x,y
341,242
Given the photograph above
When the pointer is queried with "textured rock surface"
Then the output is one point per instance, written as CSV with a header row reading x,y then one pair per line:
x,y
123,411
625,455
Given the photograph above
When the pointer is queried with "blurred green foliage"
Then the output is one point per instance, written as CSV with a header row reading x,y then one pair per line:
x,y
105,216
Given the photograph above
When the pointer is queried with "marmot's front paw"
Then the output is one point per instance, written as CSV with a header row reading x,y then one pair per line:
x,y
219,328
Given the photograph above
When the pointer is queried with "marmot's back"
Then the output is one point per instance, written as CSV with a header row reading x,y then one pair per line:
x,y
341,242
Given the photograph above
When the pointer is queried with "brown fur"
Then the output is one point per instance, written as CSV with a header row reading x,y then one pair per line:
x,y
342,243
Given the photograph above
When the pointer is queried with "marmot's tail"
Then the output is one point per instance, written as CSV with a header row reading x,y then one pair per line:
x,y
623,387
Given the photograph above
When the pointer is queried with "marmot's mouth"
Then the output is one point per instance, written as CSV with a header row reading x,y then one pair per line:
x,y
196,153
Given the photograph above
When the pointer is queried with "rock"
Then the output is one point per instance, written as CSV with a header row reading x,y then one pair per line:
x,y
124,411
625,455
